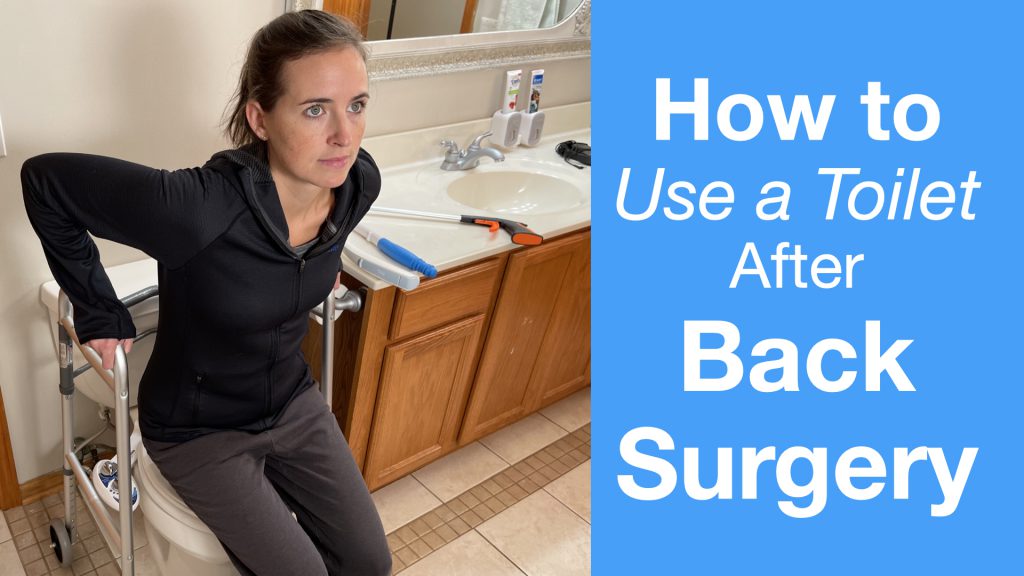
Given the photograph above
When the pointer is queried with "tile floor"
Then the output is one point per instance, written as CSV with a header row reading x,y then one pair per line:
x,y
516,502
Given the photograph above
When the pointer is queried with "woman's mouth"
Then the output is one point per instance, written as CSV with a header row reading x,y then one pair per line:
x,y
336,162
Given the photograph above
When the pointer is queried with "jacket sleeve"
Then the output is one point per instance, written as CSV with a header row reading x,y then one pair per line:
x,y
168,215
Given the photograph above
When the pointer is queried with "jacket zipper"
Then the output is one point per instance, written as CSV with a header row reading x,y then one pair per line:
x,y
274,336
298,286
196,399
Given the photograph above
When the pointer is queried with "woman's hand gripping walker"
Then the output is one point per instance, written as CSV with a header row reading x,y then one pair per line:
x,y
107,349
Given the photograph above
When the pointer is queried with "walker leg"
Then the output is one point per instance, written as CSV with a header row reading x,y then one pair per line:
x,y
61,533
66,350
327,359
123,428
350,302
67,391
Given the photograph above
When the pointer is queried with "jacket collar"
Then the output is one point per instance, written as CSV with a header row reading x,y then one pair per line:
x,y
261,195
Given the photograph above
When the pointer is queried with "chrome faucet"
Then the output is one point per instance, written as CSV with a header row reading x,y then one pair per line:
x,y
455,159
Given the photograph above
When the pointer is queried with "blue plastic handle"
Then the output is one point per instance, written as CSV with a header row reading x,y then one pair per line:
x,y
406,258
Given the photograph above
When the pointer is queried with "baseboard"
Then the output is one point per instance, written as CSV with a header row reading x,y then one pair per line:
x,y
41,487
47,484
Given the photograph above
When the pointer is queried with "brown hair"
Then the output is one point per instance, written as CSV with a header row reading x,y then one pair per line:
x,y
287,37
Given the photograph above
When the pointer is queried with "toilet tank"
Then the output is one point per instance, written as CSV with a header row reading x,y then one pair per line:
x,y
126,279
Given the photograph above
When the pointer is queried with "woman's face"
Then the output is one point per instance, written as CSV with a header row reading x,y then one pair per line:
x,y
314,130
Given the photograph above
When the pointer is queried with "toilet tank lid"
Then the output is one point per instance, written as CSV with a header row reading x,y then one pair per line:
x,y
126,279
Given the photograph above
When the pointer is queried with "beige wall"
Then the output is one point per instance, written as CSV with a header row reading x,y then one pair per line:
x,y
400,105
148,81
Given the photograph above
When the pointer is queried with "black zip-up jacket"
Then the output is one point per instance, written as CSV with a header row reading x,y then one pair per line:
x,y
234,295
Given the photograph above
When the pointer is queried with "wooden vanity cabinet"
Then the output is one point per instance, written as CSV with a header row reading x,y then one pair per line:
x,y
418,374
420,401
427,368
538,344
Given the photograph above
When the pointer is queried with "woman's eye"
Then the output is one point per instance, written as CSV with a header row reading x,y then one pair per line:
x,y
315,111
357,107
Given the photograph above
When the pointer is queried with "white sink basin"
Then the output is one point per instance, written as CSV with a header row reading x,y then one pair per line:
x,y
515,192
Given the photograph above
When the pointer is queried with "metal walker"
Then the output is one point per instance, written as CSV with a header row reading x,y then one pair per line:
x,y
62,531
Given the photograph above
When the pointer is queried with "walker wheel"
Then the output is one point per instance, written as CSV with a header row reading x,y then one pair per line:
x,y
60,541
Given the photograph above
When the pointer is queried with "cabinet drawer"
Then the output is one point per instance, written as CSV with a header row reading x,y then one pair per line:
x,y
446,298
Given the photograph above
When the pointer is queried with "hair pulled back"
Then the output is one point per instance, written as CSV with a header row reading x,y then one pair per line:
x,y
285,38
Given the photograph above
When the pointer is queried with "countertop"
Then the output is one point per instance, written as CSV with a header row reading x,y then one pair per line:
x,y
445,244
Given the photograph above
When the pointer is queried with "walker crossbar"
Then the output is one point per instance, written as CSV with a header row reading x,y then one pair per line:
x,y
117,379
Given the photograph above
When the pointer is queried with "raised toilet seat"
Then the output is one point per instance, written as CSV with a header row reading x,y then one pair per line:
x,y
172,528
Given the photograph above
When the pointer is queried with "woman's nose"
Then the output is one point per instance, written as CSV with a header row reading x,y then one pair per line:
x,y
341,132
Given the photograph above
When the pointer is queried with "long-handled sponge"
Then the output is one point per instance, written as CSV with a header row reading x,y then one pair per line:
x,y
396,252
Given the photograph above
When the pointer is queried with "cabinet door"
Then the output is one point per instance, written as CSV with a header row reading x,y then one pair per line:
x,y
529,294
563,364
423,388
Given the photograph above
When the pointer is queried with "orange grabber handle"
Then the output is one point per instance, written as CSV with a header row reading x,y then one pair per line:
x,y
520,233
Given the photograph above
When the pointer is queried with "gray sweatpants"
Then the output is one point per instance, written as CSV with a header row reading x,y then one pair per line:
x,y
245,486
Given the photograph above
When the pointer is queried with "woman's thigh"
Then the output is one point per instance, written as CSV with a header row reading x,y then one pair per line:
x,y
221,478
313,470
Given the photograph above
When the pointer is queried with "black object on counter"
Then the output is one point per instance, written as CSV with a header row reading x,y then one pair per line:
x,y
576,154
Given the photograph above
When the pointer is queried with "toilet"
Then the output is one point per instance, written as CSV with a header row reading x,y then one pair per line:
x,y
179,542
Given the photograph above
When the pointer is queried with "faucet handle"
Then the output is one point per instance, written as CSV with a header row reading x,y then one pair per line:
x,y
450,145
479,139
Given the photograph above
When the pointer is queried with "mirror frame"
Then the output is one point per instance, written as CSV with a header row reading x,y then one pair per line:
x,y
431,55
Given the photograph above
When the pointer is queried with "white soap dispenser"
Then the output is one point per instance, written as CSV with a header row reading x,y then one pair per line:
x,y
506,122
532,126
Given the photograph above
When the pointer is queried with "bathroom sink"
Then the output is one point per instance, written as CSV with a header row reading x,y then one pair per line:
x,y
515,192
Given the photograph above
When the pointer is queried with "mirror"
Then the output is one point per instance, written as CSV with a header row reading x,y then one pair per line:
x,y
430,55
425,56
394,19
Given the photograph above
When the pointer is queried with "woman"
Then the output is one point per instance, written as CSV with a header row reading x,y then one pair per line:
x,y
246,246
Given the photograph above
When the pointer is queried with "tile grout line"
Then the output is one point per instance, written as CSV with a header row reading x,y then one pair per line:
x,y
425,487
546,485
489,449
444,523
559,500
553,422
500,551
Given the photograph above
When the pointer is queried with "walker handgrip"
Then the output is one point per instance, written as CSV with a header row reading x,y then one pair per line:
x,y
406,258
144,294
